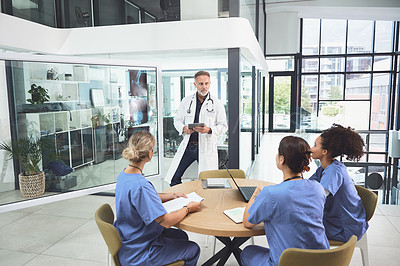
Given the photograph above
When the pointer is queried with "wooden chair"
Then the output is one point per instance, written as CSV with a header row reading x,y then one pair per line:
x,y
340,256
369,200
236,173
104,218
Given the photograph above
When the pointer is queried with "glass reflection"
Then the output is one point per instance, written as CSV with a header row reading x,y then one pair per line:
x,y
88,112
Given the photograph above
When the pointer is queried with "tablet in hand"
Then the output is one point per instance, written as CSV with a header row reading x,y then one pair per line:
x,y
191,126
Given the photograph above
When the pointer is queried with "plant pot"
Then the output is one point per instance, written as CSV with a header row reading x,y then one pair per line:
x,y
32,186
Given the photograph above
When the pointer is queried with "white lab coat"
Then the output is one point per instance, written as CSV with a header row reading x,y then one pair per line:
x,y
212,114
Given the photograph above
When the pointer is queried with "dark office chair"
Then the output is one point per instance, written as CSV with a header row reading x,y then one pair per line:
x,y
171,137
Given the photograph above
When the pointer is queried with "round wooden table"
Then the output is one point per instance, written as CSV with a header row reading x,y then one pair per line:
x,y
211,220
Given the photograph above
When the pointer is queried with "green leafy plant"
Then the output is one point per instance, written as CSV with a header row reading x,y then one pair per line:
x,y
29,151
39,95
101,119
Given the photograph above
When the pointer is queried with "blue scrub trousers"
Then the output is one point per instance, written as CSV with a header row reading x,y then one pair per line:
x,y
254,255
190,155
176,247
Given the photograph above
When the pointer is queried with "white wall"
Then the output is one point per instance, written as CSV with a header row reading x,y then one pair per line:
x,y
282,33
199,9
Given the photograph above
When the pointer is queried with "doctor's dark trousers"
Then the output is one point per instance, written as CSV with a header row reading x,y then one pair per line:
x,y
190,155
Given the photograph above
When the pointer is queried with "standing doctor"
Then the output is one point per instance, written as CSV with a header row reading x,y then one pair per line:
x,y
200,143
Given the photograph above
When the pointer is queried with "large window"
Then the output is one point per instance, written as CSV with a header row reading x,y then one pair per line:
x,y
346,73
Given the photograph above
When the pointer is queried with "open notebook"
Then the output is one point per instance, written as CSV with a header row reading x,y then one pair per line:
x,y
178,203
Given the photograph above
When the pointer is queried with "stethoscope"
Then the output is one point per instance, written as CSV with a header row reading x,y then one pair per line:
x,y
189,110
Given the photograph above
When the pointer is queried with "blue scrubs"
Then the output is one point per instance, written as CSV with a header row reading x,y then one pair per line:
x,y
144,241
292,213
344,213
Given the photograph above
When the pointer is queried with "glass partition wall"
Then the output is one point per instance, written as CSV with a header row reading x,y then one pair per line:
x,y
246,108
178,84
86,111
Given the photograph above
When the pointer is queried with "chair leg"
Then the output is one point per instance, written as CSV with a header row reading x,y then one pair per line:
x,y
109,259
214,245
363,245
207,239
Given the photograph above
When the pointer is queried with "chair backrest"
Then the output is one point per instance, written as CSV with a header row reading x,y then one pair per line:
x,y
236,173
104,218
369,200
316,257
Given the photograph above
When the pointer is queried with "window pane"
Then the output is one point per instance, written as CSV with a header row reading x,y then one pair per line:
x,y
331,87
246,100
357,174
359,36
383,36
309,90
132,13
377,143
148,18
310,36
75,14
310,65
351,113
379,101
382,63
282,93
280,63
355,64
332,64
357,86
333,36
109,13
37,11
378,158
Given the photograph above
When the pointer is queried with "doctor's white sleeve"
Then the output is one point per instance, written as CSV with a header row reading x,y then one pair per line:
x,y
179,119
220,126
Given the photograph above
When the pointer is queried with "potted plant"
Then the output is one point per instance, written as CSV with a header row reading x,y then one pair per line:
x,y
39,95
99,119
29,152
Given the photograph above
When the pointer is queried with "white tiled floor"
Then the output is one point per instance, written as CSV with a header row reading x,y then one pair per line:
x,y
65,233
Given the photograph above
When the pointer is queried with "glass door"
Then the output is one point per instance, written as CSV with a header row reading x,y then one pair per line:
x,y
188,85
282,117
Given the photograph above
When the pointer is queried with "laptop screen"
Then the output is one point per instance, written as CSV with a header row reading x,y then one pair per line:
x,y
231,177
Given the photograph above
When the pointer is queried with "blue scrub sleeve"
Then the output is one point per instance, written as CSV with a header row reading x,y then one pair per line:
x,y
317,175
262,207
332,178
148,204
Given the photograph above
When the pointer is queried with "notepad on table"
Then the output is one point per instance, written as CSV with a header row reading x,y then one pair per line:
x,y
236,214
180,202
